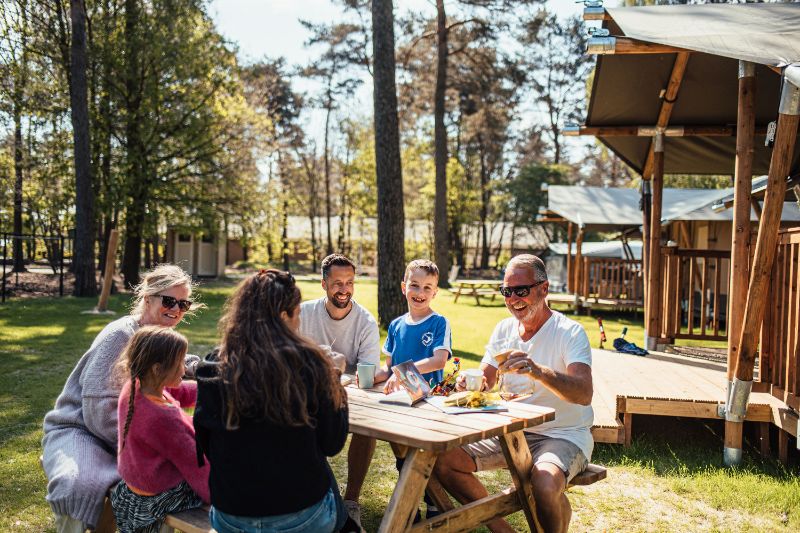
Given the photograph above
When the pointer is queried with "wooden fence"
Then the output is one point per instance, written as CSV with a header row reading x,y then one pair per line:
x,y
611,279
780,333
694,293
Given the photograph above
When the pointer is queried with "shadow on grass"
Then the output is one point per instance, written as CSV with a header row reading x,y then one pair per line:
x,y
686,447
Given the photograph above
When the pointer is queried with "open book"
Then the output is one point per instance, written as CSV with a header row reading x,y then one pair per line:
x,y
413,385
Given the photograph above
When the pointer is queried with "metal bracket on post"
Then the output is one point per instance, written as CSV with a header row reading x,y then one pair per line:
x,y
658,140
790,98
747,69
737,401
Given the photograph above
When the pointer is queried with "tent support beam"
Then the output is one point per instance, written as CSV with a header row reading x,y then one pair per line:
x,y
653,329
649,131
668,102
613,45
768,227
570,266
740,245
577,268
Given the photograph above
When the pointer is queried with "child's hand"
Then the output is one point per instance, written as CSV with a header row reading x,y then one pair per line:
x,y
392,385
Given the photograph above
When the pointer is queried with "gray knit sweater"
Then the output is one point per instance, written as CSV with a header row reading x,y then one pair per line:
x,y
80,433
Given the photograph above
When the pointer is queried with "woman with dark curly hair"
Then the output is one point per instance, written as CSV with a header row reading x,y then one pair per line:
x,y
270,410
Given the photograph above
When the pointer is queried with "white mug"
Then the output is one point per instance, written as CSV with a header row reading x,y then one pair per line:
x,y
474,378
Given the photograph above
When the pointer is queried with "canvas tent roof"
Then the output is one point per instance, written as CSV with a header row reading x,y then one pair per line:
x,y
610,209
598,249
626,88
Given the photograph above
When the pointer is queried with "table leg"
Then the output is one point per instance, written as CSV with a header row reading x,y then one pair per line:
x,y
458,293
434,489
438,495
402,509
475,294
520,464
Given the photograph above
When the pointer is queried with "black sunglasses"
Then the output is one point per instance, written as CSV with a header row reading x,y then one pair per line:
x,y
168,302
520,290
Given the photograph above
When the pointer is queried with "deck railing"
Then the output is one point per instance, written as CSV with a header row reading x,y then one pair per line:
x,y
612,279
694,293
780,333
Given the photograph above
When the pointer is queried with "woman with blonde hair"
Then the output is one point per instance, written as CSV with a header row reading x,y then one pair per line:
x,y
80,433
270,410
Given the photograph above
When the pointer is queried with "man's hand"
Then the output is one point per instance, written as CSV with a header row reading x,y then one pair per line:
x,y
519,363
339,361
381,375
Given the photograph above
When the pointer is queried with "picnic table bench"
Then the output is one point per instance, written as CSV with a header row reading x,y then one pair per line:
x,y
477,288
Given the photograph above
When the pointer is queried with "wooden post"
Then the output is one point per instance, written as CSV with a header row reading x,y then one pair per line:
x,y
740,246
646,202
577,263
766,243
653,329
570,281
108,272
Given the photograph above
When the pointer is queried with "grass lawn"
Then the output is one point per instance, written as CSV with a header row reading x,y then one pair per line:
x,y
672,477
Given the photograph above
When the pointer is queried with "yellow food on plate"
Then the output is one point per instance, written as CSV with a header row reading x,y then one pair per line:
x,y
472,399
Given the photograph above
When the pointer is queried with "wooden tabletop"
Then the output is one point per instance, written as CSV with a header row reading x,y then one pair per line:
x,y
425,427
479,282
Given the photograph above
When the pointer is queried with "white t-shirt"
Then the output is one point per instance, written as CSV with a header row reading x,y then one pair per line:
x,y
559,343
356,335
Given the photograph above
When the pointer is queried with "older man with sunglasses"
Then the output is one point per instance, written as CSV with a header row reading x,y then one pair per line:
x,y
550,357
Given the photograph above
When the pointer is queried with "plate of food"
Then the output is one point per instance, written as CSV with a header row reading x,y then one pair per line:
x,y
468,402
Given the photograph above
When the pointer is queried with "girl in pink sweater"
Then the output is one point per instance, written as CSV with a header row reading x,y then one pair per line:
x,y
157,457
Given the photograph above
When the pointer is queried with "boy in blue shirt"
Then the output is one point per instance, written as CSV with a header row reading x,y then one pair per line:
x,y
421,335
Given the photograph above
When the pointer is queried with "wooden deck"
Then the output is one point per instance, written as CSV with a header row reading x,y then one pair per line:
x,y
668,385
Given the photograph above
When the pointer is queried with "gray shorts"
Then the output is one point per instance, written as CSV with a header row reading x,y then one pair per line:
x,y
488,455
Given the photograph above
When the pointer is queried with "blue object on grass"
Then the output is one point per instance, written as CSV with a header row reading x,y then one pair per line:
x,y
623,346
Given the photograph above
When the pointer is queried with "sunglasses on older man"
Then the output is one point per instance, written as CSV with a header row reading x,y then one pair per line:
x,y
521,291
168,302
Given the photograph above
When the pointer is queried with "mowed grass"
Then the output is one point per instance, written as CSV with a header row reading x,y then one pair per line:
x,y
672,477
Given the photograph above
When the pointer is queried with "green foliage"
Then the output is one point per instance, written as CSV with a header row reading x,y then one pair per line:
x,y
525,194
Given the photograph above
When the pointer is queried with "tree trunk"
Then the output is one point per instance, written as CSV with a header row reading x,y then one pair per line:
x,y
441,233
19,260
484,209
83,255
135,156
328,110
391,218
285,235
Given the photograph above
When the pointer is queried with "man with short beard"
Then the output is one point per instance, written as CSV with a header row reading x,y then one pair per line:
x,y
336,320
549,354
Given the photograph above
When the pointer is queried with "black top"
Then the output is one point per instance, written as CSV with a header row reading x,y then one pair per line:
x,y
261,468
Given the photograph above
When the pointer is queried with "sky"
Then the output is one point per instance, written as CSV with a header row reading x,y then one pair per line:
x,y
271,28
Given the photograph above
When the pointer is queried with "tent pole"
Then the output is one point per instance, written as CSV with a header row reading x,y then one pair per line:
x,y
740,245
766,242
654,245
570,281
577,267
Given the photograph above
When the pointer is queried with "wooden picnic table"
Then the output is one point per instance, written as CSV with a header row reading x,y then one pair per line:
x,y
477,287
422,432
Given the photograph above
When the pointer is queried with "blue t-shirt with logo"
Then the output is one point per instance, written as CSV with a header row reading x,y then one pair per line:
x,y
413,341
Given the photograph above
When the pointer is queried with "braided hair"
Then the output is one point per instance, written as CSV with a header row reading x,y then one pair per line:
x,y
149,346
